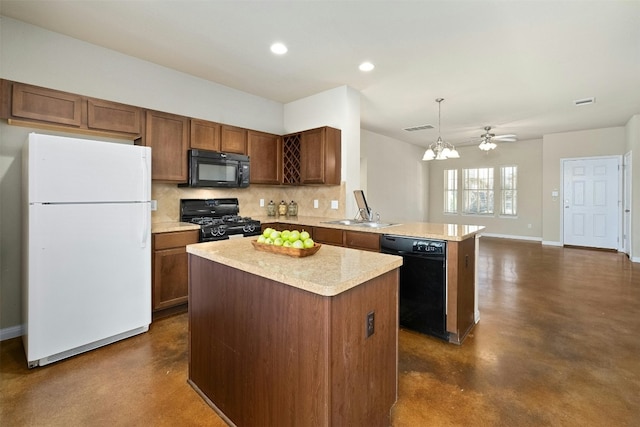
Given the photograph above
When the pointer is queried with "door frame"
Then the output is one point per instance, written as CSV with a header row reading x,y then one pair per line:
x,y
563,162
627,199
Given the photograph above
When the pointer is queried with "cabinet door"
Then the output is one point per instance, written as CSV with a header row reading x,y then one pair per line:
x,y
170,268
205,135
167,135
111,116
265,152
36,103
320,154
233,139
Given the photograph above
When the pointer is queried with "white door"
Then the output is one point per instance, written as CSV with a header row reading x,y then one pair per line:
x,y
591,196
626,216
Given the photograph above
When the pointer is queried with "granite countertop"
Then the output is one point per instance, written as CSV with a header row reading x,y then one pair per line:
x,y
425,230
328,272
169,226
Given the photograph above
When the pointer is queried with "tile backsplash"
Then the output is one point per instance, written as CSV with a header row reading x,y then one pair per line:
x,y
168,197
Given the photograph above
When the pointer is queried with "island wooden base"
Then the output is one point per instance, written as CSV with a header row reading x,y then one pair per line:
x,y
265,353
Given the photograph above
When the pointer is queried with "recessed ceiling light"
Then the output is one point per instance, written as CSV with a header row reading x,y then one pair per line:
x,y
366,66
279,48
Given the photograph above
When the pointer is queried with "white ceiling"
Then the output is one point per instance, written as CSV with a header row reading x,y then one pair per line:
x,y
515,65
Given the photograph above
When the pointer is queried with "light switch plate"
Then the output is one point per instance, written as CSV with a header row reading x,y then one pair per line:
x,y
154,205
315,204
262,203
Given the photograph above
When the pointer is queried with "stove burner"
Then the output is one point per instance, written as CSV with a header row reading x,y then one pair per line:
x,y
217,218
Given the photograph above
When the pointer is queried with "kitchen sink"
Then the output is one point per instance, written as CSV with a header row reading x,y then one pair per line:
x,y
356,223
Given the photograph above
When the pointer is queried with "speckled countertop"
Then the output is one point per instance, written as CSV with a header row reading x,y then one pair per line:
x,y
426,230
328,272
167,227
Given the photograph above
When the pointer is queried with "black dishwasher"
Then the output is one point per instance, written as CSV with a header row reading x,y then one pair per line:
x,y
423,297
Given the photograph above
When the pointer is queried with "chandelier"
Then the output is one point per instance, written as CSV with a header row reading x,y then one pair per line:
x,y
440,150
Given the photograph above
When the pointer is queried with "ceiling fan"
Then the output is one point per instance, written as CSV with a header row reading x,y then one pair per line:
x,y
487,138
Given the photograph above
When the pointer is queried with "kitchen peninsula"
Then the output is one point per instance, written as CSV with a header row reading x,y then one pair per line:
x,y
461,290
278,340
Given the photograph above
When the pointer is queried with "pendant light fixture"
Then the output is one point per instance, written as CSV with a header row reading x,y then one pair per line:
x,y
440,150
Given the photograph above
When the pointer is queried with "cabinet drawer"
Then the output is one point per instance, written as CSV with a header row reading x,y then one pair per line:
x,y
360,240
330,236
174,239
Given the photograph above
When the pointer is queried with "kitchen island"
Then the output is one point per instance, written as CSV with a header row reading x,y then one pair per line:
x,y
278,340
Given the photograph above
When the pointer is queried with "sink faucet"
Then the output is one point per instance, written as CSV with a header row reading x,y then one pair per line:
x,y
368,216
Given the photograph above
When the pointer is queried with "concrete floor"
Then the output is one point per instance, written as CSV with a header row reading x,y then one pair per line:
x,y
557,345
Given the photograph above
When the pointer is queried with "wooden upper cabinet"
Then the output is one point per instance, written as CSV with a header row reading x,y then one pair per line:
x,y
111,116
233,139
320,156
205,135
265,154
168,136
37,103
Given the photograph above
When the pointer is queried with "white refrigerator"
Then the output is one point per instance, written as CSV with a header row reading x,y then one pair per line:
x,y
86,245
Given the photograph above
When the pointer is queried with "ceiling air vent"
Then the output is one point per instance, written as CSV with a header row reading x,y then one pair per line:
x,y
421,127
585,101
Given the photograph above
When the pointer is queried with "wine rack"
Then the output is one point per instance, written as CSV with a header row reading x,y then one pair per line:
x,y
291,159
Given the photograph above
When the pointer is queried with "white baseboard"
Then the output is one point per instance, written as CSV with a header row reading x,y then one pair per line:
x,y
10,332
635,259
510,236
551,243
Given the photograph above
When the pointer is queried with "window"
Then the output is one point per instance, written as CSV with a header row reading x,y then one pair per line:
x,y
477,193
509,190
451,191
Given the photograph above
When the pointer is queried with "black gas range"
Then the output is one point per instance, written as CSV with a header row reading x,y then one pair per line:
x,y
218,218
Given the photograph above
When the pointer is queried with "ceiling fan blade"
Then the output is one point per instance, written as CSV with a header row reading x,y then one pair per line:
x,y
506,138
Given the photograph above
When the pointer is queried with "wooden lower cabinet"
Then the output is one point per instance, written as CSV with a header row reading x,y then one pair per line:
x,y
264,353
170,270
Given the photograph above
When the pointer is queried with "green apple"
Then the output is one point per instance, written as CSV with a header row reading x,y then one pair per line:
x,y
274,235
308,243
295,235
304,235
287,244
285,234
261,239
298,244
268,241
267,232
278,241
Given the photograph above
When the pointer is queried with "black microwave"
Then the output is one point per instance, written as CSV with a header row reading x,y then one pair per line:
x,y
215,169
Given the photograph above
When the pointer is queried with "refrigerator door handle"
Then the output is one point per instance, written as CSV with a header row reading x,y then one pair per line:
x,y
145,177
145,225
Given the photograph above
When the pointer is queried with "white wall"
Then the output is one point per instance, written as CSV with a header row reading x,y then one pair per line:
x,y
396,178
632,130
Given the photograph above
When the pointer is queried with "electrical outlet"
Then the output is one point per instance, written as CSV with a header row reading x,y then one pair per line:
x,y
371,323
528,225
262,203
154,205
315,204
334,204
